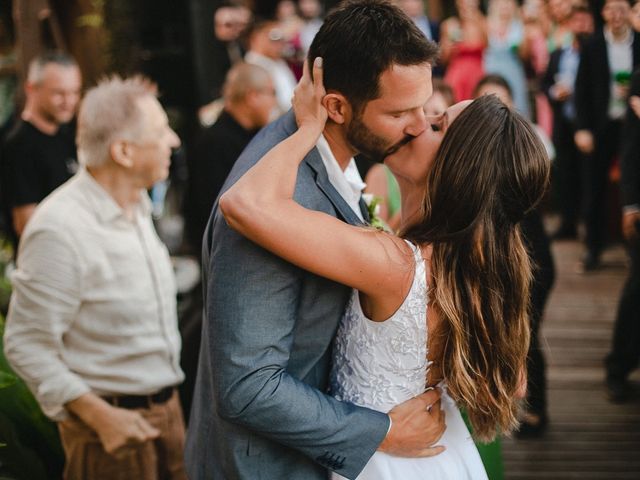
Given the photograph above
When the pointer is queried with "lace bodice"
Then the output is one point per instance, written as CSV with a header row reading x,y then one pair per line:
x,y
382,364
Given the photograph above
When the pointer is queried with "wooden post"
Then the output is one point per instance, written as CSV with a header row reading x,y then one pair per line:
x,y
28,16
82,22
74,26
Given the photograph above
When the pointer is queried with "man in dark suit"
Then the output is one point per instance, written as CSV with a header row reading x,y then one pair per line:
x,y
260,407
606,62
625,348
558,84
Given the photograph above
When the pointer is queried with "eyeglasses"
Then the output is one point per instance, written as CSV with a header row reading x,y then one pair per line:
x,y
276,35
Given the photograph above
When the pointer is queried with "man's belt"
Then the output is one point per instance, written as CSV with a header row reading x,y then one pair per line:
x,y
140,401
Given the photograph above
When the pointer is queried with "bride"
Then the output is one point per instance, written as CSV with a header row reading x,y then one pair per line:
x,y
442,305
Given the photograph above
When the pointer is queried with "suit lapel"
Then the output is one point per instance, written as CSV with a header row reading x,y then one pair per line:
x,y
322,180
365,210
636,50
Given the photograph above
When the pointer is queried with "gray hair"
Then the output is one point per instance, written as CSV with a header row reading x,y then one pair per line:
x,y
38,64
110,112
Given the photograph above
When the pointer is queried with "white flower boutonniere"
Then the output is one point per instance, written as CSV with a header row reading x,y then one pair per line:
x,y
373,206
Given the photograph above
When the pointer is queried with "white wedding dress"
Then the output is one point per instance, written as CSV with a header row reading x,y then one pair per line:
x,y
381,364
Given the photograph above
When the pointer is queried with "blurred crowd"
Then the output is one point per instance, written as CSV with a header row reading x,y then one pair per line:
x,y
569,66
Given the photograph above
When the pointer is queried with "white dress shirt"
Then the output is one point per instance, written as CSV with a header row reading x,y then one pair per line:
x,y
94,300
348,183
620,55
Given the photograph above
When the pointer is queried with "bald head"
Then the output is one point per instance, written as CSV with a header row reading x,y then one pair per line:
x,y
249,88
243,78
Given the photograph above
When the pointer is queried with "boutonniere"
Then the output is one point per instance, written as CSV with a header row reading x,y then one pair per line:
x,y
373,207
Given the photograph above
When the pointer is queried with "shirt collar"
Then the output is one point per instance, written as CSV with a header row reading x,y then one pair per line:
x,y
105,207
348,183
608,36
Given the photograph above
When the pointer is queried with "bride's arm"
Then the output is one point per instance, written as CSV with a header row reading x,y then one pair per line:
x,y
261,207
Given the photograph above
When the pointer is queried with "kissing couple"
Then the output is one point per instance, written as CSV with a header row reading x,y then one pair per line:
x,y
330,347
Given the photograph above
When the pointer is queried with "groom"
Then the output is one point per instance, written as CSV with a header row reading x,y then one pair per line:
x,y
260,407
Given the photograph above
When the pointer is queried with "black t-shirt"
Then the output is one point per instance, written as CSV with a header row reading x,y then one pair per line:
x,y
35,163
217,150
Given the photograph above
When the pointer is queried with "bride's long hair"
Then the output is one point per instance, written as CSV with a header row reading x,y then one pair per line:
x,y
490,170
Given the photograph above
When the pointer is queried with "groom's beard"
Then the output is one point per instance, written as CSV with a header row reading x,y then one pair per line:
x,y
372,146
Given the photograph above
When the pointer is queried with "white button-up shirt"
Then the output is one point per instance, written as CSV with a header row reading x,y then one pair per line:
x,y
620,54
94,300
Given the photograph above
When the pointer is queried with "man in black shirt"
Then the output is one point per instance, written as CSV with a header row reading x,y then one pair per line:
x,y
249,100
40,154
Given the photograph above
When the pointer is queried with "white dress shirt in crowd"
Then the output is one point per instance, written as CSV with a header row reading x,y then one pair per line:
x,y
94,300
620,55
284,81
348,183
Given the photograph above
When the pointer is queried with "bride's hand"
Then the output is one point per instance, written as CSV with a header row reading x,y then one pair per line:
x,y
307,99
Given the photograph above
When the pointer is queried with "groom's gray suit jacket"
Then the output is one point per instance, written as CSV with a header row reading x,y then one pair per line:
x,y
260,410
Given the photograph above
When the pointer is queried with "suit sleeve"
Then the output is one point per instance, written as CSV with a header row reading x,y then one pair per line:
x,y
630,156
583,87
548,79
250,326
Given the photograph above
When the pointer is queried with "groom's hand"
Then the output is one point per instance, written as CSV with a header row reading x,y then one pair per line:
x,y
416,425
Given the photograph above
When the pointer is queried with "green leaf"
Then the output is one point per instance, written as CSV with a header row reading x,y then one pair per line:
x,y
7,379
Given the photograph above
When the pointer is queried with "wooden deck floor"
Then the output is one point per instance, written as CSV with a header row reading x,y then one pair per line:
x,y
588,437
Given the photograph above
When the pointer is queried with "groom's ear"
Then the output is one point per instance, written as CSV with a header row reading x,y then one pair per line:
x,y
337,106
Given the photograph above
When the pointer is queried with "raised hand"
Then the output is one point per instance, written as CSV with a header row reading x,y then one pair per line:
x,y
308,96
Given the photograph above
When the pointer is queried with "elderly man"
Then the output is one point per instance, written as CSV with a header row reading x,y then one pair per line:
x,y
601,89
92,323
40,152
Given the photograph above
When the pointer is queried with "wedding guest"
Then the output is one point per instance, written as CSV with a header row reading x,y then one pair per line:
x,y
535,55
39,154
92,324
285,12
606,62
311,13
415,10
505,32
249,100
559,35
558,84
462,41
625,346
441,99
230,21
634,17
266,48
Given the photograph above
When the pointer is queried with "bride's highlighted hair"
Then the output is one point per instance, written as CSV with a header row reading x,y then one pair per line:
x,y
490,170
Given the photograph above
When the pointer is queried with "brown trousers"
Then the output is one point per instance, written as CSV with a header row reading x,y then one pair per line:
x,y
159,459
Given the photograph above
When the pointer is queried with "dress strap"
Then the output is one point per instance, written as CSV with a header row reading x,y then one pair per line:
x,y
417,252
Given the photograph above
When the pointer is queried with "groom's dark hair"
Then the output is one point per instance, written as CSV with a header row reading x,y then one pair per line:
x,y
361,39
